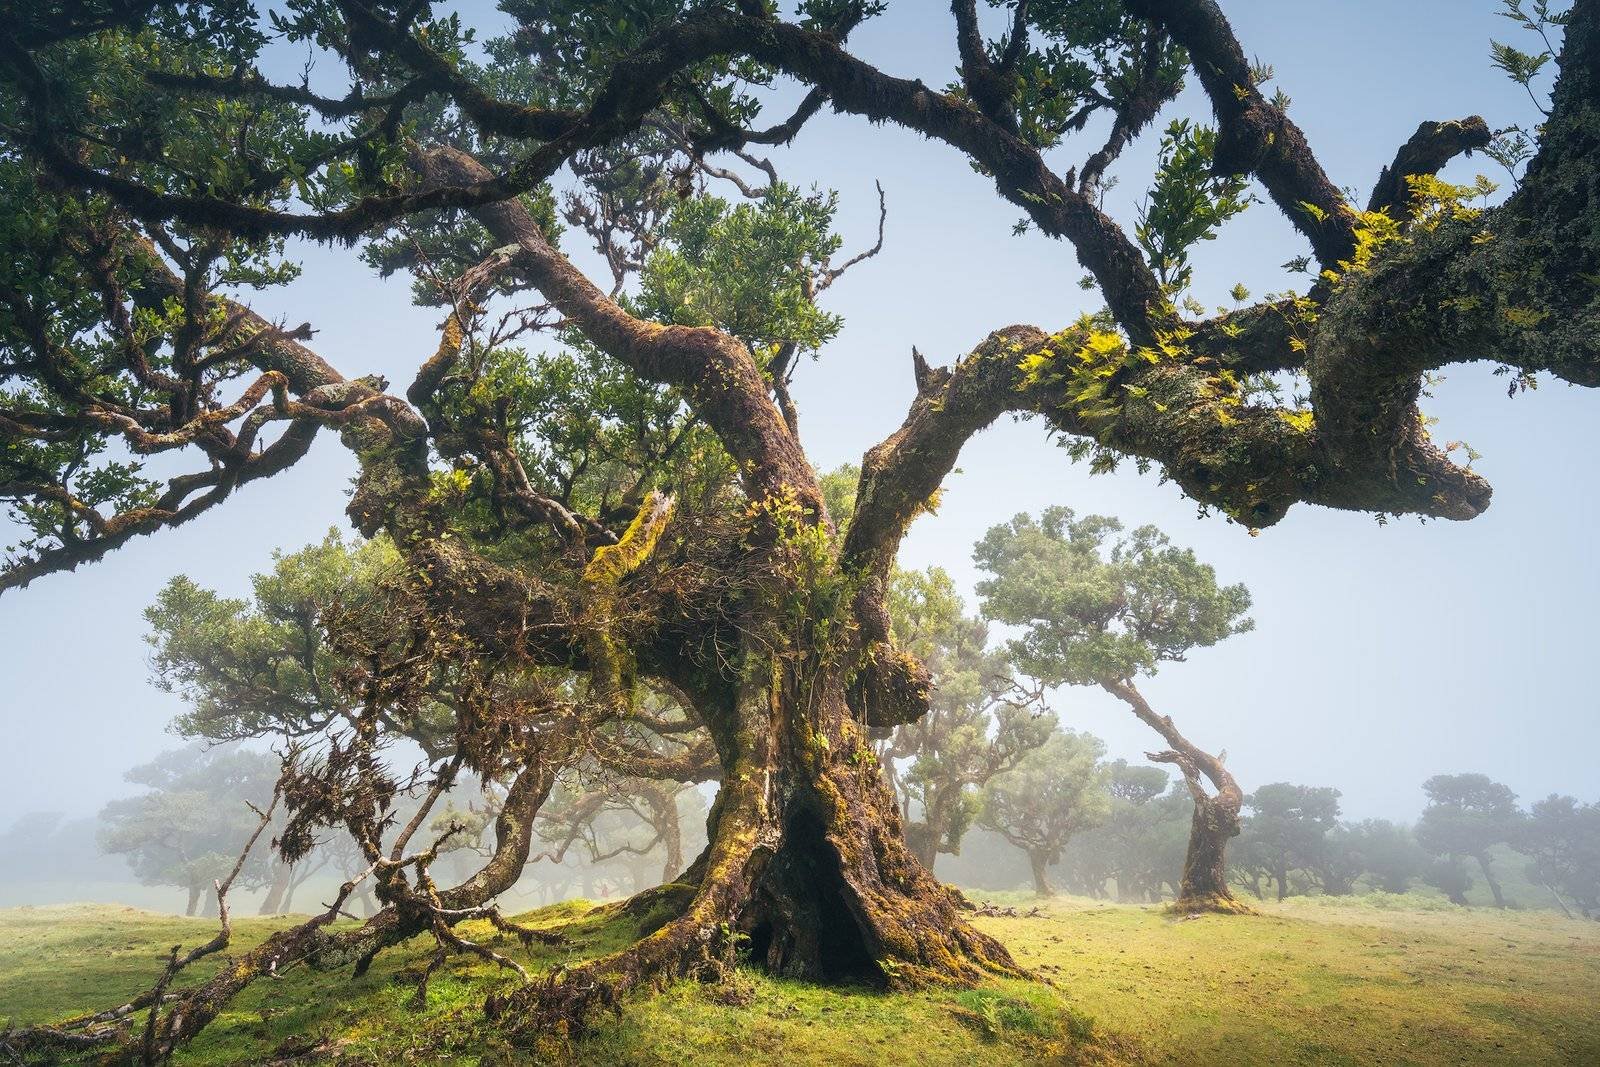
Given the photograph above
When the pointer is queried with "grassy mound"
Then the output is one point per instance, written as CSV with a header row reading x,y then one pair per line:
x,y
1303,982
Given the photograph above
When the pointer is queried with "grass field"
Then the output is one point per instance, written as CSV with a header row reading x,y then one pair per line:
x,y
1368,981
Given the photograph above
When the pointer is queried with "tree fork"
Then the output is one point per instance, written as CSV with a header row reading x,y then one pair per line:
x,y
1216,817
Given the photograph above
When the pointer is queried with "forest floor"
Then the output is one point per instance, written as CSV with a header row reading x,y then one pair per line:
x,y
1387,980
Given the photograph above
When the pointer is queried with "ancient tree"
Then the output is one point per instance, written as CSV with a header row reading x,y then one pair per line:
x,y
1104,609
636,505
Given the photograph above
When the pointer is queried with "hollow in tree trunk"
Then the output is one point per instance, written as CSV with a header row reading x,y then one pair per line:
x,y
806,867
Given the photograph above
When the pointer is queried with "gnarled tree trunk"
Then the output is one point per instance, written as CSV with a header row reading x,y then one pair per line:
x,y
1216,816
806,860
1039,866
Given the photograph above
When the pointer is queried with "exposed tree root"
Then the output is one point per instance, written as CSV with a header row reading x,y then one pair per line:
x,y
1212,904
852,907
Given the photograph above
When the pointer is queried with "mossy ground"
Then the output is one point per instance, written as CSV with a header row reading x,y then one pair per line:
x,y
1313,981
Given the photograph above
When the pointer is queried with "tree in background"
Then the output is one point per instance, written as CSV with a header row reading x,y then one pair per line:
x,y
1449,875
1467,815
1142,841
1287,827
46,847
1054,792
639,504
1389,853
1335,867
1562,840
629,820
279,665
980,722
188,829
1105,609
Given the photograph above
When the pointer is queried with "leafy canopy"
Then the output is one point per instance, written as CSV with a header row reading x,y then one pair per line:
x,y
1056,791
1101,607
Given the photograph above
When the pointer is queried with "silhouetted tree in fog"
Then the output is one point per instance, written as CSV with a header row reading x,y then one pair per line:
x,y
187,830
980,722
1562,840
1056,791
1287,827
1467,815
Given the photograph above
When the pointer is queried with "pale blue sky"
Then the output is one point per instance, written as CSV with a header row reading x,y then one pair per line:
x,y
1382,654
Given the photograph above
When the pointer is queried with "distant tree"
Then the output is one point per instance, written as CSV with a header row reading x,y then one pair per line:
x,y
601,821
1467,815
1141,844
1389,853
1339,863
1287,827
1105,852
44,846
1104,609
1449,875
1562,840
189,828
1250,863
980,722
1054,792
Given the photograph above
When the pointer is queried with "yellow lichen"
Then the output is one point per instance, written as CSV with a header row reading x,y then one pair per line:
x,y
611,563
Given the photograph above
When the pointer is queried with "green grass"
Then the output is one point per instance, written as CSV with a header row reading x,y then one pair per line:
x,y
1311,981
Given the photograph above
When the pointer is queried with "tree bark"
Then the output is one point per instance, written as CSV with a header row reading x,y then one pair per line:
x,y
672,839
923,842
1040,867
194,901
1216,817
1205,865
282,877
1488,876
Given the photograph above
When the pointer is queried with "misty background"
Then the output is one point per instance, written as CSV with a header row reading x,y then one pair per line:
x,y
1383,654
